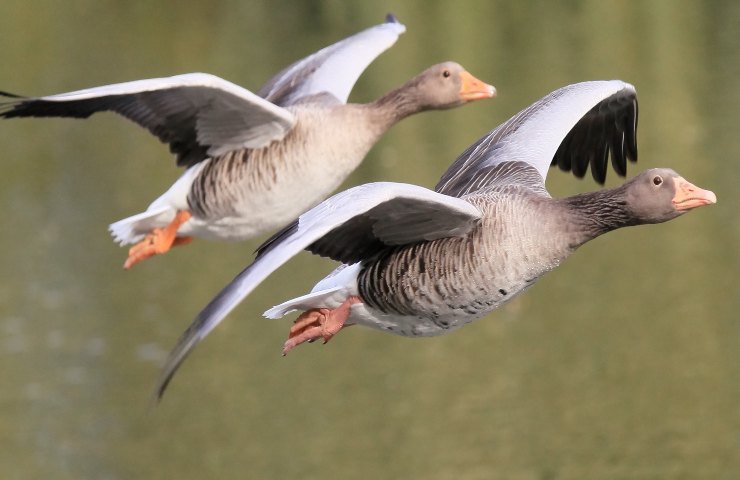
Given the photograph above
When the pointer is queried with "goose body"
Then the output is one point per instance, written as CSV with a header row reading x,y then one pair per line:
x,y
448,282
256,161
420,263
245,193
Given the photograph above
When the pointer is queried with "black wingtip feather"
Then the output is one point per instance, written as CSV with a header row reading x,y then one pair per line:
x,y
630,131
619,163
42,108
10,95
561,158
390,18
579,151
608,130
7,107
599,164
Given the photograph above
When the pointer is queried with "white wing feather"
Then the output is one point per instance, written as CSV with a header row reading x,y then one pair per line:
x,y
336,68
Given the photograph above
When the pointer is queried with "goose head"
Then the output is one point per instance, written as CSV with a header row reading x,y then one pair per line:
x,y
660,194
442,86
448,85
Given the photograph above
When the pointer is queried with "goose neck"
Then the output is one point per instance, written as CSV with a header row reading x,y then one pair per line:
x,y
598,212
397,104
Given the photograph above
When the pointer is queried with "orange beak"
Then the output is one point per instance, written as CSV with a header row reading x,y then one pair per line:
x,y
474,89
690,196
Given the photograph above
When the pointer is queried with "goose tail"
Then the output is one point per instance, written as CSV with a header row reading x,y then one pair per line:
x,y
328,293
133,229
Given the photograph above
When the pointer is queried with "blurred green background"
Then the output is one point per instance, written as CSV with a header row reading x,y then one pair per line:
x,y
624,363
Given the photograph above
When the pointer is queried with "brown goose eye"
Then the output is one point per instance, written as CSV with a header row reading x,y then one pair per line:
x,y
657,180
446,73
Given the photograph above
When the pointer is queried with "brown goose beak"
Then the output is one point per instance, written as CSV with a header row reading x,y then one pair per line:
x,y
690,196
474,89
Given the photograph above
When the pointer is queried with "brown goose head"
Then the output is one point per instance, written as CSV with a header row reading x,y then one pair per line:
x,y
660,194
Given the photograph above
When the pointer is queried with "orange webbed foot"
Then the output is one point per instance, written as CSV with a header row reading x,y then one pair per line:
x,y
159,241
319,323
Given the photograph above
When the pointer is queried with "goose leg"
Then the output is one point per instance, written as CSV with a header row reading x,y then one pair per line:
x,y
159,241
319,323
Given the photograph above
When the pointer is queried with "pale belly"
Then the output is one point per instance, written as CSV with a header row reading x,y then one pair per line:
x,y
263,209
275,185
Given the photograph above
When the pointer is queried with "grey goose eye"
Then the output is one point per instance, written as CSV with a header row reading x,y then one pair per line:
x,y
446,73
657,180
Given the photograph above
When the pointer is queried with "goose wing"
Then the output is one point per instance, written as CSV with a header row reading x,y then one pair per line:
x,y
332,70
572,127
348,227
197,114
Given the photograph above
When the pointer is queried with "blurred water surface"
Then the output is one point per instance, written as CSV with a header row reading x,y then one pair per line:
x,y
623,363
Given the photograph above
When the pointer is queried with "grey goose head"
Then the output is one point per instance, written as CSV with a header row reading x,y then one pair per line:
x,y
660,194
448,85
439,87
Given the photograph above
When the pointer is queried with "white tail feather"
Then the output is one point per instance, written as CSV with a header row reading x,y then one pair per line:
x,y
306,302
328,293
133,229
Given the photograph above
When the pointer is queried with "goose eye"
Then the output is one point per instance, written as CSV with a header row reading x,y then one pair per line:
x,y
657,180
446,73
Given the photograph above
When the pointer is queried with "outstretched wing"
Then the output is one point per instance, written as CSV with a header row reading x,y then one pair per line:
x,y
197,114
334,69
349,226
572,127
